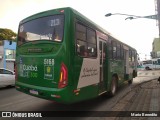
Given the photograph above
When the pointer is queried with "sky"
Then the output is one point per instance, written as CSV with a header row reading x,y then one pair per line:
x,y
138,33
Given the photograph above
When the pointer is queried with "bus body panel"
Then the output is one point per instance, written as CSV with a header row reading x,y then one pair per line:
x,y
89,74
46,58
42,69
42,64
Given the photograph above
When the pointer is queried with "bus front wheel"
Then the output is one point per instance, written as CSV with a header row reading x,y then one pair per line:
x,y
113,86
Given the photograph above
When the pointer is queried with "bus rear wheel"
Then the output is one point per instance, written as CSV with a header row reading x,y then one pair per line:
x,y
130,81
113,86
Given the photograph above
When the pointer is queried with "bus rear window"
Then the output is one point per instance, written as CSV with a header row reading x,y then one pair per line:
x,y
45,28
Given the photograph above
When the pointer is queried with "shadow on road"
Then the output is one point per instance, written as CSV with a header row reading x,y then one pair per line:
x,y
87,108
6,87
100,103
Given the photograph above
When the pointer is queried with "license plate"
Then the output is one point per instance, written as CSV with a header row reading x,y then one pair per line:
x,y
33,92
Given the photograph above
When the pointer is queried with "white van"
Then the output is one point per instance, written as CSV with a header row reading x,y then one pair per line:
x,y
151,64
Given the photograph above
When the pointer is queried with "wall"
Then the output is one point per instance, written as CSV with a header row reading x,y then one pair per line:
x,y
156,47
8,50
1,56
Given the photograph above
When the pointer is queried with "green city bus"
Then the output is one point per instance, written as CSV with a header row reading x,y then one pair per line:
x,y
63,56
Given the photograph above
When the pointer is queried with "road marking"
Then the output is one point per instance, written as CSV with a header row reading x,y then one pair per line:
x,y
146,73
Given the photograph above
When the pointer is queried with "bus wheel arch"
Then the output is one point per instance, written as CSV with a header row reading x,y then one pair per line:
x,y
134,74
147,68
113,85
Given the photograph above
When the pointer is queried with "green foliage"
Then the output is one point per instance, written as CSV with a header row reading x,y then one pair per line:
x,y
7,34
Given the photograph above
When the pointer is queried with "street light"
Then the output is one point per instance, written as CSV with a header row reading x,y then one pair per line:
x,y
133,16
149,17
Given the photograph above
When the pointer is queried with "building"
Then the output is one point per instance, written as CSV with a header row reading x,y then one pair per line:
x,y
7,54
156,48
156,42
157,10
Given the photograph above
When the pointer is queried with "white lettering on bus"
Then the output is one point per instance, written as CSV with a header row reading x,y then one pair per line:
x,y
55,22
30,68
48,61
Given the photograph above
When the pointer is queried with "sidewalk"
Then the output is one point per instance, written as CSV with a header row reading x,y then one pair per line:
x,y
148,73
143,96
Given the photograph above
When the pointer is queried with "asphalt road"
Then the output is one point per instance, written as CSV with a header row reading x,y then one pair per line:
x,y
13,100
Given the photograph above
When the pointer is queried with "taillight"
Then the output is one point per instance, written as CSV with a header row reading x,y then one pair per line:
x,y
63,81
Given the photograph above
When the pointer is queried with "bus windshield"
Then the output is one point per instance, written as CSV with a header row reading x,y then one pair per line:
x,y
45,28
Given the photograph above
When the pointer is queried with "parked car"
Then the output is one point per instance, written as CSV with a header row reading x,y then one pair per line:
x,y
7,77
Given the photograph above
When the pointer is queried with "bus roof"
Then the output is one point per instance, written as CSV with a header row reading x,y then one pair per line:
x,y
98,27
78,14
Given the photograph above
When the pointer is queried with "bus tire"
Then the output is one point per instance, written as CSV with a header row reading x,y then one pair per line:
x,y
114,86
134,74
147,68
130,81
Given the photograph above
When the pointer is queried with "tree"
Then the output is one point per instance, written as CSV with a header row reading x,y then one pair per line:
x,y
7,34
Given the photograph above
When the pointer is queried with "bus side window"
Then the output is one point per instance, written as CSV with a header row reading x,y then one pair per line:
x,y
114,48
104,50
109,49
82,48
118,51
81,39
122,52
83,51
133,55
130,55
86,41
91,42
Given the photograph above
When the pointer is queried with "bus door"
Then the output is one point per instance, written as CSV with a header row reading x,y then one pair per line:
x,y
126,60
102,58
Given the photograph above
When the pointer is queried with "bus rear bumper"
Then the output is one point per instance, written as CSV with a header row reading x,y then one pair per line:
x,y
55,94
